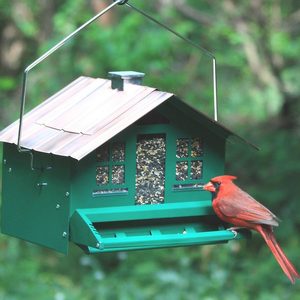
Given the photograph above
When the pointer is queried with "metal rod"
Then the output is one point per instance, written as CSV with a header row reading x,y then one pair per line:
x,y
215,89
44,56
205,51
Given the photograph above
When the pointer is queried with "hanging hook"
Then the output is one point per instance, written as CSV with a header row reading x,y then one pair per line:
x,y
121,2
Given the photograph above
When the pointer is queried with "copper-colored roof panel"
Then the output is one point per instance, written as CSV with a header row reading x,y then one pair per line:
x,y
57,141
65,104
120,123
55,101
71,120
83,116
116,108
10,133
43,135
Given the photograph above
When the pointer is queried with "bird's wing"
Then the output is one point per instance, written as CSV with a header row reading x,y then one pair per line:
x,y
242,206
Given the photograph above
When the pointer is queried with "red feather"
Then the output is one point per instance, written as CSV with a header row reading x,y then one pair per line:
x,y
232,205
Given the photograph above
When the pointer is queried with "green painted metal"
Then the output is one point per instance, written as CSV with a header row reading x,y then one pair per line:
x,y
116,223
34,202
132,231
144,212
52,206
148,226
83,172
83,232
163,241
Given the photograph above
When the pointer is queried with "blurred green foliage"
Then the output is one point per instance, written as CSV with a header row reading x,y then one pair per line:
x,y
256,44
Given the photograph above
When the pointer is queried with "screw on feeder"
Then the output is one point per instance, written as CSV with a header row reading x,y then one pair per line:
x,y
41,184
67,194
64,235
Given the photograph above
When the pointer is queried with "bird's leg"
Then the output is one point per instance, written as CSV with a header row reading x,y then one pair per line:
x,y
234,230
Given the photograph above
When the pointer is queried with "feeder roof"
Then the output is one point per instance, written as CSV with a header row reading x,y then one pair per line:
x,y
87,113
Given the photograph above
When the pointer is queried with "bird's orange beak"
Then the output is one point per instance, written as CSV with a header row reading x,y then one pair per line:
x,y
209,187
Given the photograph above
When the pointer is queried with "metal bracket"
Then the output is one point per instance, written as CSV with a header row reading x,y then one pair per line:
x,y
33,167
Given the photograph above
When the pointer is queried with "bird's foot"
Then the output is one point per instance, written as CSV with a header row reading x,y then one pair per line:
x,y
234,230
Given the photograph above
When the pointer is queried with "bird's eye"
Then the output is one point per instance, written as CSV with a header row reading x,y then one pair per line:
x,y
216,184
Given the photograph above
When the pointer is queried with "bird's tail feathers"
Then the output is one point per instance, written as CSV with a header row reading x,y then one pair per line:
x,y
286,265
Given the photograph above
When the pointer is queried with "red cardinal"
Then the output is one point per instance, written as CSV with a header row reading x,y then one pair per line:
x,y
234,206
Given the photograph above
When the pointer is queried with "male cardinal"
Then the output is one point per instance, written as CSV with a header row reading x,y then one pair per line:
x,y
232,205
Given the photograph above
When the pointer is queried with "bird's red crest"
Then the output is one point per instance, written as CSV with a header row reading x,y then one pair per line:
x,y
223,178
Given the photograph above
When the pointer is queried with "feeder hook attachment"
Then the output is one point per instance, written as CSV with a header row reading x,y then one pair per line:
x,y
121,2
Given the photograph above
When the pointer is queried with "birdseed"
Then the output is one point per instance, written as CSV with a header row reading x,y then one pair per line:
x,y
110,173
102,175
182,147
196,169
196,147
150,169
182,168
118,152
118,174
103,153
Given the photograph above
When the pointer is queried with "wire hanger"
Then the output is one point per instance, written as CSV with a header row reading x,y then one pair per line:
x,y
75,32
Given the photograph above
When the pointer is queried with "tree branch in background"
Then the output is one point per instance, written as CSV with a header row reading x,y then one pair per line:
x,y
267,65
192,13
255,60
292,24
106,20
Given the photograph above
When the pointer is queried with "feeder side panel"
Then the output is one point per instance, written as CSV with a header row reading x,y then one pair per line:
x,y
35,203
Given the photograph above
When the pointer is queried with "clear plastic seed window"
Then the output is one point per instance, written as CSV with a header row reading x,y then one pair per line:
x,y
189,162
111,164
150,169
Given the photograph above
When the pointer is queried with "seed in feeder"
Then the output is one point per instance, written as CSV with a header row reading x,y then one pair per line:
x,y
182,170
196,169
118,174
150,169
182,147
118,151
102,175
103,153
196,147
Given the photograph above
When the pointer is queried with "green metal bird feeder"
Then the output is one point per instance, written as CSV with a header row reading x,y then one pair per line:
x,y
110,165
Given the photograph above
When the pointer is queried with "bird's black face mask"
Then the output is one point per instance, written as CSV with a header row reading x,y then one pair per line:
x,y
217,188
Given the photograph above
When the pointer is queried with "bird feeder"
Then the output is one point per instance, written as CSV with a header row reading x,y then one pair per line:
x,y
110,164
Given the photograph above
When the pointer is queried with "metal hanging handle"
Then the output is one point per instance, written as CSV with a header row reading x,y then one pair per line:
x,y
205,51
48,53
75,32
